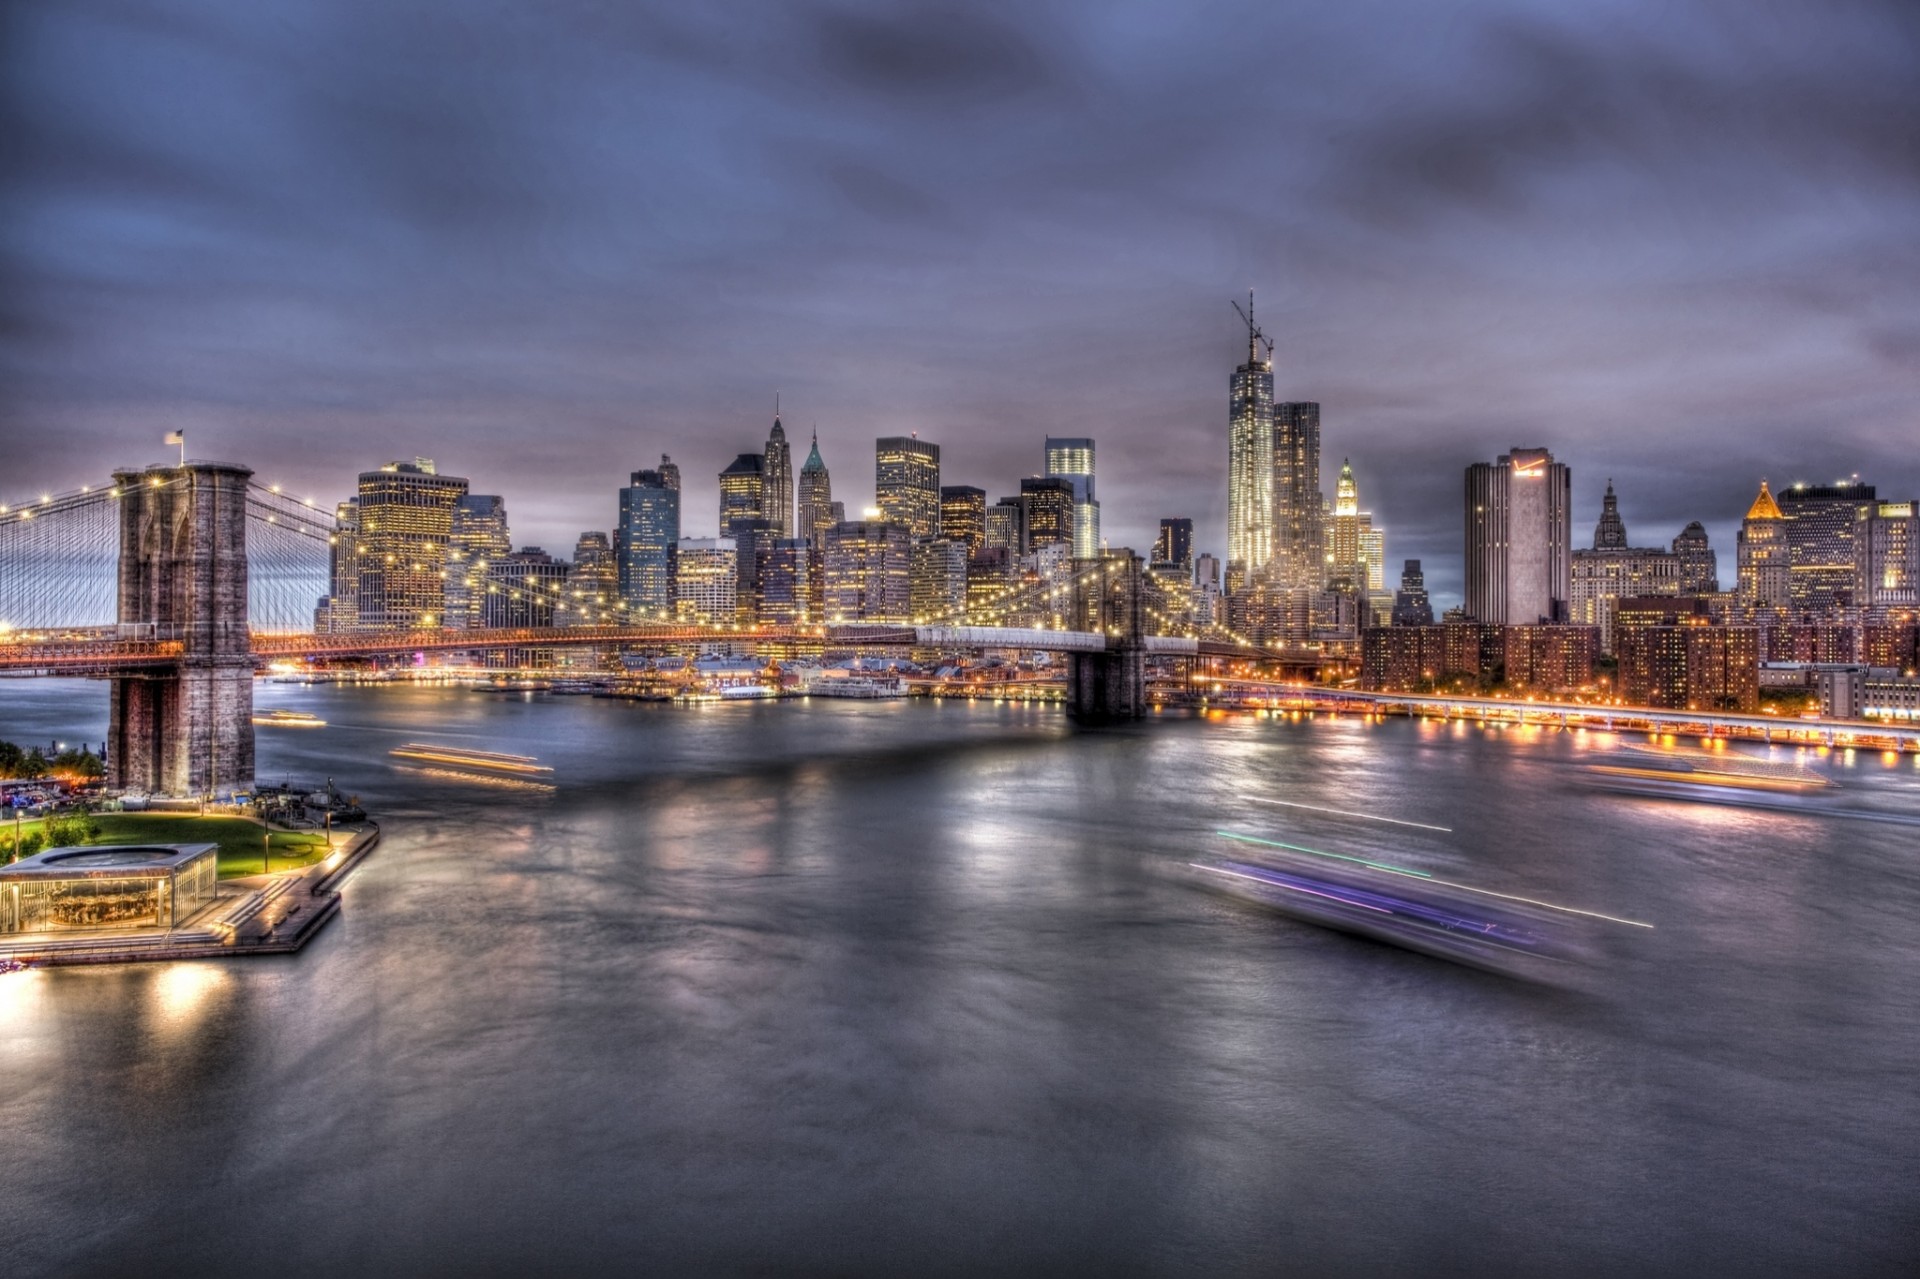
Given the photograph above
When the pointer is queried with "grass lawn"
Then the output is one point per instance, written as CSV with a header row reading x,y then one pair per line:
x,y
239,839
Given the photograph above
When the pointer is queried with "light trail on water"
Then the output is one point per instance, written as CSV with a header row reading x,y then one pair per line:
x,y
1343,812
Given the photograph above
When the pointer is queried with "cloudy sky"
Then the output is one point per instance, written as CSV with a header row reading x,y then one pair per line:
x,y
545,242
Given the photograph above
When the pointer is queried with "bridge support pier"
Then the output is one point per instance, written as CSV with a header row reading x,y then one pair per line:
x,y
1108,599
185,731
1107,686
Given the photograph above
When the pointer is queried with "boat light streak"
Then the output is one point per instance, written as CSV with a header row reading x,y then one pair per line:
x,y
1315,808
1274,883
1434,879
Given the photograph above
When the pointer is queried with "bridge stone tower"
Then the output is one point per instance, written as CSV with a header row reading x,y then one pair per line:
x,y
187,730
1108,597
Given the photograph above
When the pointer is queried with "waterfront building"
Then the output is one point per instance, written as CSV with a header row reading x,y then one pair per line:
x,y
706,582
989,575
777,467
868,572
1549,658
963,516
1071,459
406,529
1518,538
906,483
816,497
1699,566
107,886
1174,546
340,611
1299,536
1049,511
1823,527
753,542
1895,645
1861,692
1710,668
1408,658
937,580
1763,559
743,493
1612,569
595,581
1006,527
646,542
525,588
1411,607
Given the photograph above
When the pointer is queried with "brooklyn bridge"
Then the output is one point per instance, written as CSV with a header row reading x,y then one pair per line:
x,y
175,583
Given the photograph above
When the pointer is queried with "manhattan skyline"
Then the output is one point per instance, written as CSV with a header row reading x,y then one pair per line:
x,y
1671,246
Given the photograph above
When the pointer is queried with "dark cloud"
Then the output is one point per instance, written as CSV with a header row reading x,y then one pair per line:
x,y
544,244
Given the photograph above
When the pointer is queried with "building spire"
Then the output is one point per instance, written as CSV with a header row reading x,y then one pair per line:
x,y
1611,533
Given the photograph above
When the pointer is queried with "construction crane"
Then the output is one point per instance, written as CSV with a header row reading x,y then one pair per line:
x,y
1254,335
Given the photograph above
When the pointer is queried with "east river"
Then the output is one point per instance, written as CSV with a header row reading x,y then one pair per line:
x,y
908,987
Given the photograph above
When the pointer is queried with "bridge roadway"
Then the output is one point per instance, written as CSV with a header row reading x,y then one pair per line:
x,y
111,652
1718,723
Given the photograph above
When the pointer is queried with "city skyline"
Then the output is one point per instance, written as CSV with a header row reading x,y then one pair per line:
x,y
161,278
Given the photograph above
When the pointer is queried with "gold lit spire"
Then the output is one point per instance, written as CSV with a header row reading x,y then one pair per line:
x,y
1764,507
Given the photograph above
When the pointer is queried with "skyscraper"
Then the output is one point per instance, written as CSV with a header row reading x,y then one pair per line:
x,y
906,483
777,508
594,581
1699,566
1824,523
646,543
1048,502
1411,607
1762,555
1006,524
937,581
1346,560
1519,526
743,493
868,573
340,612
1249,462
1071,459
406,527
816,497
669,472
1890,559
525,588
1298,539
963,516
1174,546
706,580
480,535
1611,533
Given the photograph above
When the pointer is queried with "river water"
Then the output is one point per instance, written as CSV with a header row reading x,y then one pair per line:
x,y
908,987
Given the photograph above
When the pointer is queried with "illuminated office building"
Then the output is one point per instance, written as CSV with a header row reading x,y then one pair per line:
x,y
1250,465
743,493
1763,565
1411,607
1048,503
1071,459
339,613
816,497
1174,546
1006,525
1612,570
1823,527
1699,566
1299,540
525,588
406,529
963,516
706,581
937,581
1889,555
868,572
595,581
1519,530
906,483
646,542
777,465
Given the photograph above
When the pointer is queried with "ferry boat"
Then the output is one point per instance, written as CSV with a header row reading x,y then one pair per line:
x,y
461,757
289,719
1688,767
